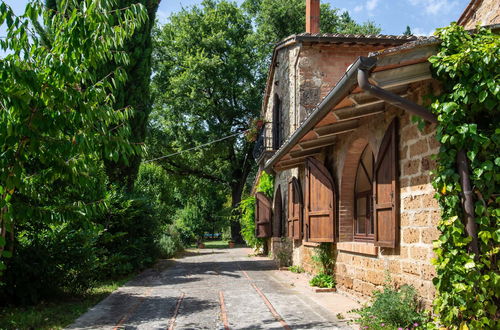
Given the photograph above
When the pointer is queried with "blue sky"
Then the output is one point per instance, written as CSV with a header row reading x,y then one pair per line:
x,y
423,16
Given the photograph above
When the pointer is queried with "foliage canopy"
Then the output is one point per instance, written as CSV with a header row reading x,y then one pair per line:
x,y
58,117
468,285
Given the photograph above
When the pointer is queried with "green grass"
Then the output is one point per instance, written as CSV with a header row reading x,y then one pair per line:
x,y
216,245
58,313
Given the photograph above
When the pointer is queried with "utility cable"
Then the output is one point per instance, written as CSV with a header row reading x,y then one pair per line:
x,y
197,147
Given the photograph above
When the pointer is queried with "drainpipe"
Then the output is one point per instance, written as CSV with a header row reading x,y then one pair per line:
x,y
364,69
467,201
391,98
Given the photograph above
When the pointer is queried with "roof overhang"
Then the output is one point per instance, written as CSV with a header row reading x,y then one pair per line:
x,y
332,39
344,108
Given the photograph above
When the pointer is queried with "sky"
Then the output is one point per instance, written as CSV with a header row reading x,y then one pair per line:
x,y
423,16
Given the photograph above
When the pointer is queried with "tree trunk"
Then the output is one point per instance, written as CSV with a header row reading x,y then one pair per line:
x,y
236,191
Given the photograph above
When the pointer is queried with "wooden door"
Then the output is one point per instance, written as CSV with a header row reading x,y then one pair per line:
x,y
263,216
386,190
319,203
277,214
295,205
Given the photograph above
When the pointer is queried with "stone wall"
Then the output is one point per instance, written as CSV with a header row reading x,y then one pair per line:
x,y
302,78
321,67
362,267
486,13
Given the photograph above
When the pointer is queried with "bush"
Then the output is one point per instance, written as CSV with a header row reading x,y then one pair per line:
x,y
50,260
323,280
391,308
131,234
170,242
296,269
323,258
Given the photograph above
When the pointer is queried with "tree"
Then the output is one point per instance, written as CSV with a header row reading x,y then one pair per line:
x,y
134,92
204,68
277,19
58,117
408,31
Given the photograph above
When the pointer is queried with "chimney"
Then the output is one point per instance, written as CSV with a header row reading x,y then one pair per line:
x,y
312,16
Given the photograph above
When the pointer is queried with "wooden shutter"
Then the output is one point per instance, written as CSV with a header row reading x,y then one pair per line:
x,y
277,215
263,216
386,190
294,223
320,203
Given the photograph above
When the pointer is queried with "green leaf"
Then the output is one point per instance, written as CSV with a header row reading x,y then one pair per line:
x,y
482,96
7,254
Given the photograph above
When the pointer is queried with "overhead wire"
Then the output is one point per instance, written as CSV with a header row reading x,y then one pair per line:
x,y
194,148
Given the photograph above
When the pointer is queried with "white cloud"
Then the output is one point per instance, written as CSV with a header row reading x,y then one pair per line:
x,y
358,8
434,7
371,4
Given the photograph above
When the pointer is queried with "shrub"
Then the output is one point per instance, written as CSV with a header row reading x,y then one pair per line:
x,y
391,308
296,269
323,280
323,257
170,242
50,260
131,233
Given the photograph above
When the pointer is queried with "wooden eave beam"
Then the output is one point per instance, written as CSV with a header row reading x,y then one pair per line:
x,y
302,153
317,143
364,110
293,163
337,128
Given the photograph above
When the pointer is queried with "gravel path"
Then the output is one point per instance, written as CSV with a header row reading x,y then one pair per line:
x,y
209,289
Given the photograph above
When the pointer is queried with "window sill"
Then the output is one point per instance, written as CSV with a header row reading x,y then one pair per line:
x,y
312,244
358,247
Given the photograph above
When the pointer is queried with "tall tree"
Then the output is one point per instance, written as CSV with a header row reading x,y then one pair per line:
x,y
277,19
407,31
204,68
134,92
56,110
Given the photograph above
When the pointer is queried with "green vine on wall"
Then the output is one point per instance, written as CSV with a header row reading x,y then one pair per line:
x,y
468,286
247,209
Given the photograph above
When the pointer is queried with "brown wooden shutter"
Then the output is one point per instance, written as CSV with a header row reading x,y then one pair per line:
x,y
263,216
386,190
319,203
294,223
277,215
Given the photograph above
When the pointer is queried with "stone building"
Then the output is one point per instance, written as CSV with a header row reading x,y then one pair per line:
x,y
351,167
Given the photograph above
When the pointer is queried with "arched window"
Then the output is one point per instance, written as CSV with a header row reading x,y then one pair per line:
x,y
276,122
363,213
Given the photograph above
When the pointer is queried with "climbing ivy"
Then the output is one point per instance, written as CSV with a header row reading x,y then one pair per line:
x,y
468,285
247,209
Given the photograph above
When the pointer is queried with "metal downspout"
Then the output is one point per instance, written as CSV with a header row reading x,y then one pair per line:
x,y
462,165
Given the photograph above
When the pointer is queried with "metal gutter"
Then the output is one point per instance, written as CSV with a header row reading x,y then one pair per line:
x,y
341,90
